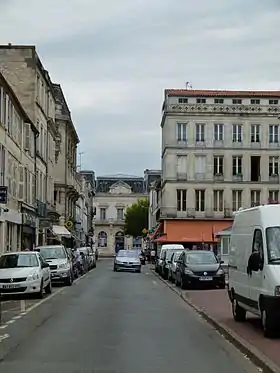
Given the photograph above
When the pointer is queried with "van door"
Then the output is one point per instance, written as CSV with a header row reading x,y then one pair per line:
x,y
257,277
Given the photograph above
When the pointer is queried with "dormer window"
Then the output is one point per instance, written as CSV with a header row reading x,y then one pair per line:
x,y
201,100
182,100
236,101
255,101
219,101
273,102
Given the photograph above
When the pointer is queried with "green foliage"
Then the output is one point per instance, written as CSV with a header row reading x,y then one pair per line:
x,y
136,218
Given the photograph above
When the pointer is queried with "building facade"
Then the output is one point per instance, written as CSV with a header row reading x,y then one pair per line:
x,y
23,70
220,152
67,183
17,172
114,193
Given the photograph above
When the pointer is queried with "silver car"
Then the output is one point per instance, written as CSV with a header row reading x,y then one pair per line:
x,y
127,260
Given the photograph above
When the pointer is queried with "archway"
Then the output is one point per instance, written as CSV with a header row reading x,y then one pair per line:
x,y
102,239
119,241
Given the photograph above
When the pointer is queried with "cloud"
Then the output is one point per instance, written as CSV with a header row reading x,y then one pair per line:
x,y
114,59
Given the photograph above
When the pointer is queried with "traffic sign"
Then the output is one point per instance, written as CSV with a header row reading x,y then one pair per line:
x,y
3,195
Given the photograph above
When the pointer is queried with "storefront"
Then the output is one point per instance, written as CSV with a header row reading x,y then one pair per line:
x,y
28,232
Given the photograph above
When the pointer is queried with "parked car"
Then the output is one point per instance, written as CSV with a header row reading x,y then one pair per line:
x,y
173,264
127,260
86,257
254,266
24,273
165,264
74,268
197,267
162,255
92,257
59,261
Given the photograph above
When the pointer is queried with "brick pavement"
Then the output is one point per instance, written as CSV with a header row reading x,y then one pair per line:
x,y
216,304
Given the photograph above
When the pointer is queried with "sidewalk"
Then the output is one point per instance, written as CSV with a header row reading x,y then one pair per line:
x,y
215,303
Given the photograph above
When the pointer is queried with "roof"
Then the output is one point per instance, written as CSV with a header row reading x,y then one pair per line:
x,y
220,93
119,176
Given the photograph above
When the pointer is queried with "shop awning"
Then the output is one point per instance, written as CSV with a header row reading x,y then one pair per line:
x,y
156,231
60,230
192,231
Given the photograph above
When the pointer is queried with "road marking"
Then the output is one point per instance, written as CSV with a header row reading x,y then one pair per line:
x,y
43,301
10,322
4,336
17,317
3,326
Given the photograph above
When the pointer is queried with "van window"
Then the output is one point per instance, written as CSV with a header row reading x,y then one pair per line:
x,y
258,242
273,243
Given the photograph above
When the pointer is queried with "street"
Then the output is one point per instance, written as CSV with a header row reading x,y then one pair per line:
x,y
118,323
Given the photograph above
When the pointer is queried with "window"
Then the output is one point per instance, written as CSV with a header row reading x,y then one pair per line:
x,y
200,132
181,200
255,101
225,245
200,200
236,165
182,100
255,133
273,167
200,164
181,131
218,200
102,214
273,133
258,243
236,101
255,198
273,196
119,213
237,133
218,165
236,200
273,102
219,132
201,100
219,101
181,164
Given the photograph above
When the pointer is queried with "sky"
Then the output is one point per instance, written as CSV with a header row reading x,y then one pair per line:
x,y
114,59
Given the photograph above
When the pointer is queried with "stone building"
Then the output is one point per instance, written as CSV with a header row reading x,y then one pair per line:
x,y
220,152
114,193
23,70
17,172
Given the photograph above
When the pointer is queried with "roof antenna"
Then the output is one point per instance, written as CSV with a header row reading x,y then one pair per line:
x,y
188,85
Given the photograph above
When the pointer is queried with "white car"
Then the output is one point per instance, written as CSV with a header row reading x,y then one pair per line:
x,y
24,272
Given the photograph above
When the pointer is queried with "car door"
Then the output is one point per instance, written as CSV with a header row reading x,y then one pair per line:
x,y
44,270
180,266
256,278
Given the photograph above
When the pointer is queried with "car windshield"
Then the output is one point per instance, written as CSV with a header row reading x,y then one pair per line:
x,y
273,244
19,261
52,252
206,257
169,253
176,256
127,253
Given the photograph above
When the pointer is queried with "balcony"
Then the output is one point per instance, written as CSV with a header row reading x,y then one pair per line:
x,y
238,177
228,213
209,213
218,177
109,221
274,179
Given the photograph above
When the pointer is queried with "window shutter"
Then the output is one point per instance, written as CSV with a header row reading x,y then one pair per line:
x,y
21,183
27,136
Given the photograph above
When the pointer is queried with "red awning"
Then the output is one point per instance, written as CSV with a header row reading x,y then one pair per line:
x,y
157,230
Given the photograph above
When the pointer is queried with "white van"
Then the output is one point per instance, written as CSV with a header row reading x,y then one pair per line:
x,y
254,266
162,254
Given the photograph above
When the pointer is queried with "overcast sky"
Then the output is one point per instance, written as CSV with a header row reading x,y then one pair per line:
x,y
115,58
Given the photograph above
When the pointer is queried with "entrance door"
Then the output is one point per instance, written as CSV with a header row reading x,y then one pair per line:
x,y
119,241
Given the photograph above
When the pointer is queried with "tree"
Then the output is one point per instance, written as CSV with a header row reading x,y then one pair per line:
x,y
136,218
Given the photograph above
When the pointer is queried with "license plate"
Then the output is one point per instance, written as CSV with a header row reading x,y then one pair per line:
x,y
12,286
205,278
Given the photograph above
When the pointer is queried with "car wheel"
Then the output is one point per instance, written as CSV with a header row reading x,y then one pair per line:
x,y
40,294
69,280
115,269
48,288
268,324
239,313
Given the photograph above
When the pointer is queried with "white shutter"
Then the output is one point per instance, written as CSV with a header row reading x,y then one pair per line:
x,y
6,119
2,117
200,164
27,136
21,183
181,164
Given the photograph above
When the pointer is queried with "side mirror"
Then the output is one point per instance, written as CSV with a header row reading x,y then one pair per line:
x,y
254,263
45,265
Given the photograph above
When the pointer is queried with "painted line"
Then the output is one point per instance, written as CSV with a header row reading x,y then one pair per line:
x,y
3,326
17,317
4,336
10,322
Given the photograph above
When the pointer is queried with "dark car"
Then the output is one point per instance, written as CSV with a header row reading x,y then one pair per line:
x,y
199,267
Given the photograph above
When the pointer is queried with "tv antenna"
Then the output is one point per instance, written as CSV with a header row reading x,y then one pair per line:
x,y
188,85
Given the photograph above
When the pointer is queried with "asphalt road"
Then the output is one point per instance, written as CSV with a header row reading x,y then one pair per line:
x,y
120,323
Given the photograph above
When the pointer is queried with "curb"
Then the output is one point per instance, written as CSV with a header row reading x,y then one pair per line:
x,y
261,361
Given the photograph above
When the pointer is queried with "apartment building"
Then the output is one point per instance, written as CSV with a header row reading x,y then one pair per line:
x,y
22,68
114,193
17,172
220,152
67,187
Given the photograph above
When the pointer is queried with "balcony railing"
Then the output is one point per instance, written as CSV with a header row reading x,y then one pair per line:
x,y
191,213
